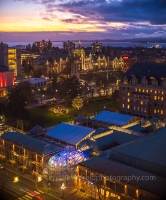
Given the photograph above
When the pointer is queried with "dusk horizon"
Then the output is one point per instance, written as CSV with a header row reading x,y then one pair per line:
x,y
81,20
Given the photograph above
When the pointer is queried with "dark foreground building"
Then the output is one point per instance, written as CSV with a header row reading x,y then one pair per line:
x,y
142,92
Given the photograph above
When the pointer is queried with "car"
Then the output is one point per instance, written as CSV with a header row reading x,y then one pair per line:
x,y
1,166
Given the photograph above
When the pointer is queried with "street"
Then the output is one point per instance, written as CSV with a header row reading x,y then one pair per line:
x,y
27,188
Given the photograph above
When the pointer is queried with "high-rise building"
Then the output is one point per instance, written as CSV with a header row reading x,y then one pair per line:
x,y
14,60
96,47
69,47
3,54
142,92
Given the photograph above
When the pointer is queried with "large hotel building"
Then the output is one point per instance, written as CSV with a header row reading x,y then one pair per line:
x,y
142,92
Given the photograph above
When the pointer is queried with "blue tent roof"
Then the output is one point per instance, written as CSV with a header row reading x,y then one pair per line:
x,y
30,143
69,133
113,118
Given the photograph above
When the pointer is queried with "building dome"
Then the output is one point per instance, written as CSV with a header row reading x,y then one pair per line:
x,y
37,130
66,158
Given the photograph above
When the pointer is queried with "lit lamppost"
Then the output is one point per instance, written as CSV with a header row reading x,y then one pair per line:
x,y
63,187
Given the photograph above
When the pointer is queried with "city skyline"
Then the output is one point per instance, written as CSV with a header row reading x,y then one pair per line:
x,y
27,20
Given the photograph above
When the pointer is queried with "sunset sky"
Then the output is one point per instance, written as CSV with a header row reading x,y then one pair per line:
x,y
28,20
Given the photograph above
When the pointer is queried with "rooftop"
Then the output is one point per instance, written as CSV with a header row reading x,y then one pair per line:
x,y
31,143
35,80
151,148
69,133
113,118
113,168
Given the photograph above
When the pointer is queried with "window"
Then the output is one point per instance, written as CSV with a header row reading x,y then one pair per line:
x,y
147,91
150,90
158,97
162,93
141,109
123,105
139,90
154,110
143,90
128,106
155,97
128,99
136,89
128,94
162,98
134,108
155,92
137,108
145,110
141,102
162,112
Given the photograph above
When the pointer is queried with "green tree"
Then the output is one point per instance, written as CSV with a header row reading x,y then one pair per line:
x,y
70,88
15,107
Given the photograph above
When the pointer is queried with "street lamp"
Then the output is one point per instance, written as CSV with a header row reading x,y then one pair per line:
x,y
63,187
16,179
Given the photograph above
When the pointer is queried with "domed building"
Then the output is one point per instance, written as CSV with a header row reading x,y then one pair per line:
x,y
79,51
66,158
37,130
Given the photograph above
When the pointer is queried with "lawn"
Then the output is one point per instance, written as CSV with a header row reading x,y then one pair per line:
x,y
91,106
48,118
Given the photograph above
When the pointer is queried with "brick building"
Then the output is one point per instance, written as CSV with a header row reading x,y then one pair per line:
x,y
142,92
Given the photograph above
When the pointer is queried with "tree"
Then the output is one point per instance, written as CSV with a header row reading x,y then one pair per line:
x,y
77,103
15,108
27,68
70,89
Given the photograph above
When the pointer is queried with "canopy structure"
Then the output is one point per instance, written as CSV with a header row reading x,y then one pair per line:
x,y
70,134
113,118
66,158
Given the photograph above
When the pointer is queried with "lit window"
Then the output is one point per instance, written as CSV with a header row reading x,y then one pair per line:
x,y
123,105
158,111
144,109
150,90
136,89
162,112
128,94
158,97
147,91
162,98
128,99
162,93
134,108
128,106
143,90
137,108
154,110
155,92
139,90
141,102
155,97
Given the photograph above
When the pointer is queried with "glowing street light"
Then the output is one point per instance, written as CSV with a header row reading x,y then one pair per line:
x,y
39,179
63,187
16,179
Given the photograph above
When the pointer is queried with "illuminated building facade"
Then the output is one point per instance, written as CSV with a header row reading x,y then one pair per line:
x,y
6,80
14,60
142,92
116,63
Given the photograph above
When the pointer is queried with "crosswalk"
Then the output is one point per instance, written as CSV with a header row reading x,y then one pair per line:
x,y
31,195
